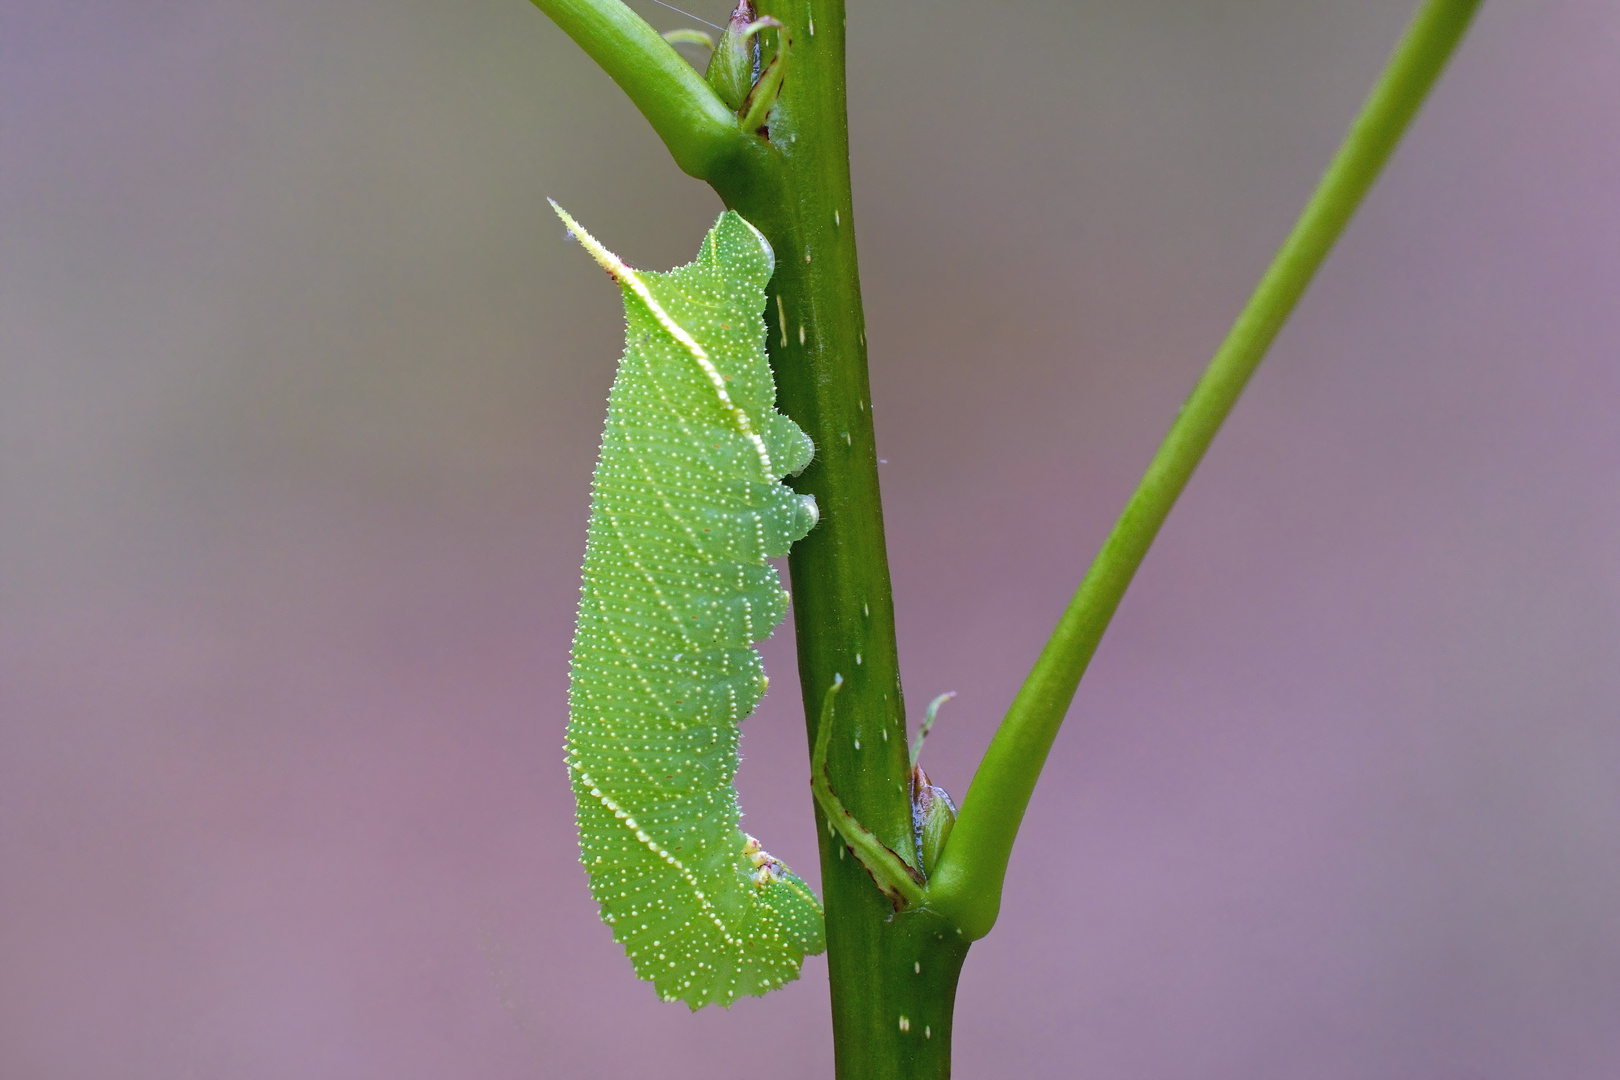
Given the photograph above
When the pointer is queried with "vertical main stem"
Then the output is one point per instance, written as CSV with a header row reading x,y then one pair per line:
x,y
893,979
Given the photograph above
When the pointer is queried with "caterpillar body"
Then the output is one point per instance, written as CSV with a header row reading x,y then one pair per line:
x,y
687,505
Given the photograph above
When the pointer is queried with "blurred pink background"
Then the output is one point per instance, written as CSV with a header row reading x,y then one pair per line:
x,y
300,389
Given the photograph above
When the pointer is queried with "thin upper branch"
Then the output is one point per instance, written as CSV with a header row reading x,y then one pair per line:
x,y
697,127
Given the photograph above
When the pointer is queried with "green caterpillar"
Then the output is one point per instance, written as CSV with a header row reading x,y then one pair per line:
x,y
686,507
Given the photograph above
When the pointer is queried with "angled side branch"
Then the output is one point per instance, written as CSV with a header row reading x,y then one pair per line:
x,y
702,134
966,885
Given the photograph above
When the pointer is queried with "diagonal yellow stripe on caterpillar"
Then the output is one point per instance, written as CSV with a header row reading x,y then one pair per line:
x,y
621,272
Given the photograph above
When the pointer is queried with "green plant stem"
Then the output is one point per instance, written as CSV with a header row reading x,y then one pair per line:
x,y
966,886
700,132
892,977
895,874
